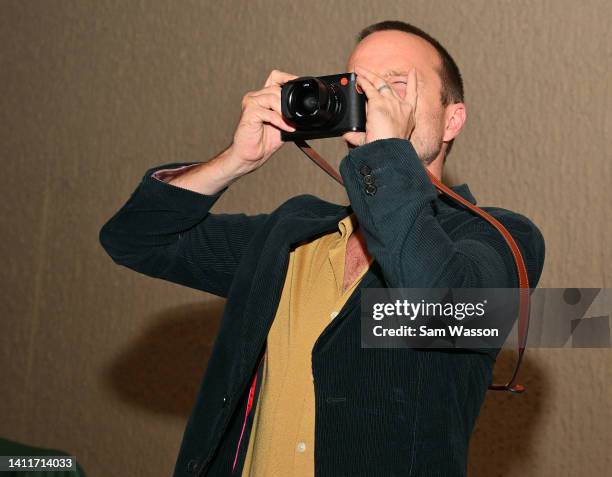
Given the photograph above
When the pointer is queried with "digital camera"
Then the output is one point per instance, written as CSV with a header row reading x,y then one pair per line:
x,y
323,106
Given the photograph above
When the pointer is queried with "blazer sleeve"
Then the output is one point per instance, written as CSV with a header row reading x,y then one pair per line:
x,y
406,238
167,232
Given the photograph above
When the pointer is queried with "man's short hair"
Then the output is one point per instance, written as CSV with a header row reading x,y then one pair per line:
x,y
450,76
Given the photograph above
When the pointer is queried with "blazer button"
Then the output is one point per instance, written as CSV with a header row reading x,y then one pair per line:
x,y
192,466
370,189
368,179
224,401
365,170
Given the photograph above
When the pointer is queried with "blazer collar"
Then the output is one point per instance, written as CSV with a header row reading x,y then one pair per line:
x,y
325,218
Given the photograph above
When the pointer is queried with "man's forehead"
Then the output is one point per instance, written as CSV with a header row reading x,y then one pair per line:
x,y
393,53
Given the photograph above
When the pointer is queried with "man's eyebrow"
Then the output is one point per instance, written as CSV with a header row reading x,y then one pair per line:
x,y
395,73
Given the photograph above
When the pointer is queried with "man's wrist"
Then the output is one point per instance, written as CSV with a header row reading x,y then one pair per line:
x,y
231,167
206,178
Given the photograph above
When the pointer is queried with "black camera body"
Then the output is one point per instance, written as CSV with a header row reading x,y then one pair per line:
x,y
323,106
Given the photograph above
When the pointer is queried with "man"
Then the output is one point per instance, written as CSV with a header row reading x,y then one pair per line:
x,y
288,389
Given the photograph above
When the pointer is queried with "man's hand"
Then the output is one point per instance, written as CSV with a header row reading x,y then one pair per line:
x,y
389,113
257,135
256,138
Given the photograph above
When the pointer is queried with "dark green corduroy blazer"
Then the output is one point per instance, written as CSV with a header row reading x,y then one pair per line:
x,y
379,412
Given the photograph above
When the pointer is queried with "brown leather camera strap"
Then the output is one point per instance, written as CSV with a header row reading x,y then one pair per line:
x,y
523,317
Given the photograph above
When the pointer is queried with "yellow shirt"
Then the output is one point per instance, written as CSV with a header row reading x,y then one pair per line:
x,y
282,437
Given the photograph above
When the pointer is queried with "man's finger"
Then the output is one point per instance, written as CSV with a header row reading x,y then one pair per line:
x,y
366,85
278,77
258,115
274,89
266,100
377,81
354,138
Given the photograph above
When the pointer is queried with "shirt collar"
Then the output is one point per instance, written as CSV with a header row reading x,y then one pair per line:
x,y
347,225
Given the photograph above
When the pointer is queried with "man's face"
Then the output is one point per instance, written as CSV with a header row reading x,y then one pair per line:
x,y
391,54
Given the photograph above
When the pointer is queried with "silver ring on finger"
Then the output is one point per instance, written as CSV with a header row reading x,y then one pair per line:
x,y
380,88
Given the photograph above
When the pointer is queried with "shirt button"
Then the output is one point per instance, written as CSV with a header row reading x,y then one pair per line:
x,y
333,314
301,447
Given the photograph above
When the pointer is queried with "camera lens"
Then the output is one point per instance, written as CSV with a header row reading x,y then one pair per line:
x,y
305,100
313,103
310,103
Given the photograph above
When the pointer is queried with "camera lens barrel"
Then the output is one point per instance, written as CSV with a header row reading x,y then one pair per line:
x,y
312,103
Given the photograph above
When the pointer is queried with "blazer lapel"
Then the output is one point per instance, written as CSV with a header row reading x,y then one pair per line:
x,y
270,273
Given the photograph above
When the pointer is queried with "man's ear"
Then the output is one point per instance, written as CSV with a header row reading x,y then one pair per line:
x,y
454,119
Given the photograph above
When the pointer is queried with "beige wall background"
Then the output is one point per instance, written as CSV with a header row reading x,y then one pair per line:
x,y
105,363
